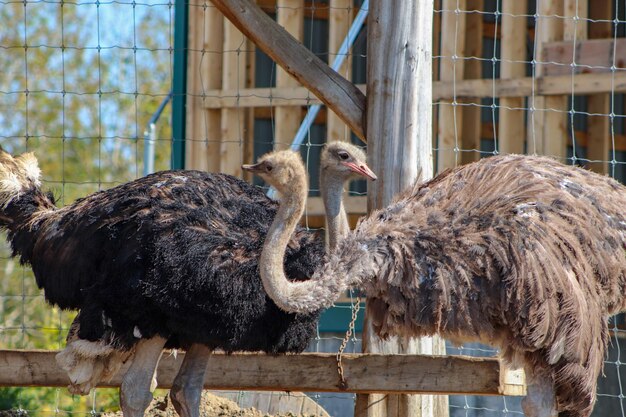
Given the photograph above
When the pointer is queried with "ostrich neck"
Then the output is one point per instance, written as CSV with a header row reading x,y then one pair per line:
x,y
336,218
297,297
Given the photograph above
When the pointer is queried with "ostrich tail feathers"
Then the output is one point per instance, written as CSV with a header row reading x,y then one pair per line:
x,y
17,174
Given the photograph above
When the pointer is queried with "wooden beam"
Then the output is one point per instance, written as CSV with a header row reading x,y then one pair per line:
x,y
204,72
451,70
511,113
352,204
547,131
598,127
595,56
473,51
339,22
436,45
232,118
332,89
583,84
304,372
290,15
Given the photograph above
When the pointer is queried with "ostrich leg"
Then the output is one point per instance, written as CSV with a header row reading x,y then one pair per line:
x,y
135,393
187,388
539,400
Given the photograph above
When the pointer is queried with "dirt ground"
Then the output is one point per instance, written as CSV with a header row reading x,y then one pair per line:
x,y
210,406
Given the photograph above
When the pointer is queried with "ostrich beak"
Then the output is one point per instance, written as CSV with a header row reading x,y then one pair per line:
x,y
252,168
361,169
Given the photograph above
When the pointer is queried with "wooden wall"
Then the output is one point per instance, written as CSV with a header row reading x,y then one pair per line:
x,y
503,82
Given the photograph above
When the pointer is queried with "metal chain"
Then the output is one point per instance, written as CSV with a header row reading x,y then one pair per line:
x,y
355,311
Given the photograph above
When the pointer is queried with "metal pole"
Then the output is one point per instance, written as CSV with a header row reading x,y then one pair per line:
x,y
179,83
149,137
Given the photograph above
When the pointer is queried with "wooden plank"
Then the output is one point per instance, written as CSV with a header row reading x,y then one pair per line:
x,y
436,45
304,372
511,113
582,137
352,204
399,117
547,131
232,119
595,56
290,15
340,20
583,84
335,91
249,134
598,127
470,131
451,70
575,23
204,72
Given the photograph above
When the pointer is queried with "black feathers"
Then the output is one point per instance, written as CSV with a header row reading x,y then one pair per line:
x,y
174,254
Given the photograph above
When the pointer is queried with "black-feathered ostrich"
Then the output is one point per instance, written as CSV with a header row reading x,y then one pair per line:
x,y
170,259
519,252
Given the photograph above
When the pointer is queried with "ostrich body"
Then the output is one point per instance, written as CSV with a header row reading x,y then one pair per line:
x,y
168,260
519,252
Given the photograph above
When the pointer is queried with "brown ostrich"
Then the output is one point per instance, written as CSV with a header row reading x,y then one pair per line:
x,y
168,260
519,252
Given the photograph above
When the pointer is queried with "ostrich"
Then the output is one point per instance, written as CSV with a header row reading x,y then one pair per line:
x,y
520,252
168,260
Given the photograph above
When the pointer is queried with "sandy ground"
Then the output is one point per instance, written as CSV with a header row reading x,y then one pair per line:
x,y
210,406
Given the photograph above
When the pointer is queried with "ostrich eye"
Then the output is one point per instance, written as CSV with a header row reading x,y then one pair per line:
x,y
344,155
269,168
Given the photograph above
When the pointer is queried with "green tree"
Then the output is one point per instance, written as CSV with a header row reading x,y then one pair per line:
x,y
78,83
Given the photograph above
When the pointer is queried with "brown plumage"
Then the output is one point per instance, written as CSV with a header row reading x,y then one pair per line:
x,y
519,252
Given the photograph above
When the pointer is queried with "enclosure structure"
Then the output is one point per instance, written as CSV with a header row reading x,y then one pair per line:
x,y
542,77
520,76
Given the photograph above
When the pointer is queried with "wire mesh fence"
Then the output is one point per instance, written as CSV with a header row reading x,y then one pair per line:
x,y
82,79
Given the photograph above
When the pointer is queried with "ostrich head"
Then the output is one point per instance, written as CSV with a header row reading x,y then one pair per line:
x,y
346,161
17,174
282,169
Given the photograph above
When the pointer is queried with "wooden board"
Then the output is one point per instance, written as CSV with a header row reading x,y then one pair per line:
x,y
593,56
512,117
290,15
583,84
335,91
547,130
598,127
451,69
305,372
339,22
470,133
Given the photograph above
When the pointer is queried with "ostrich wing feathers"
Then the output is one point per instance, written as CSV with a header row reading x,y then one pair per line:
x,y
519,252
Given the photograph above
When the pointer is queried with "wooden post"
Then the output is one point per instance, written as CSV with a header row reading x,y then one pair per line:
x,y
436,47
290,15
205,71
511,128
399,117
451,69
547,133
339,20
471,129
233,119
598,133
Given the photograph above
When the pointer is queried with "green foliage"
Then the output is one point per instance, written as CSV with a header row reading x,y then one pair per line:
x,y
79,83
